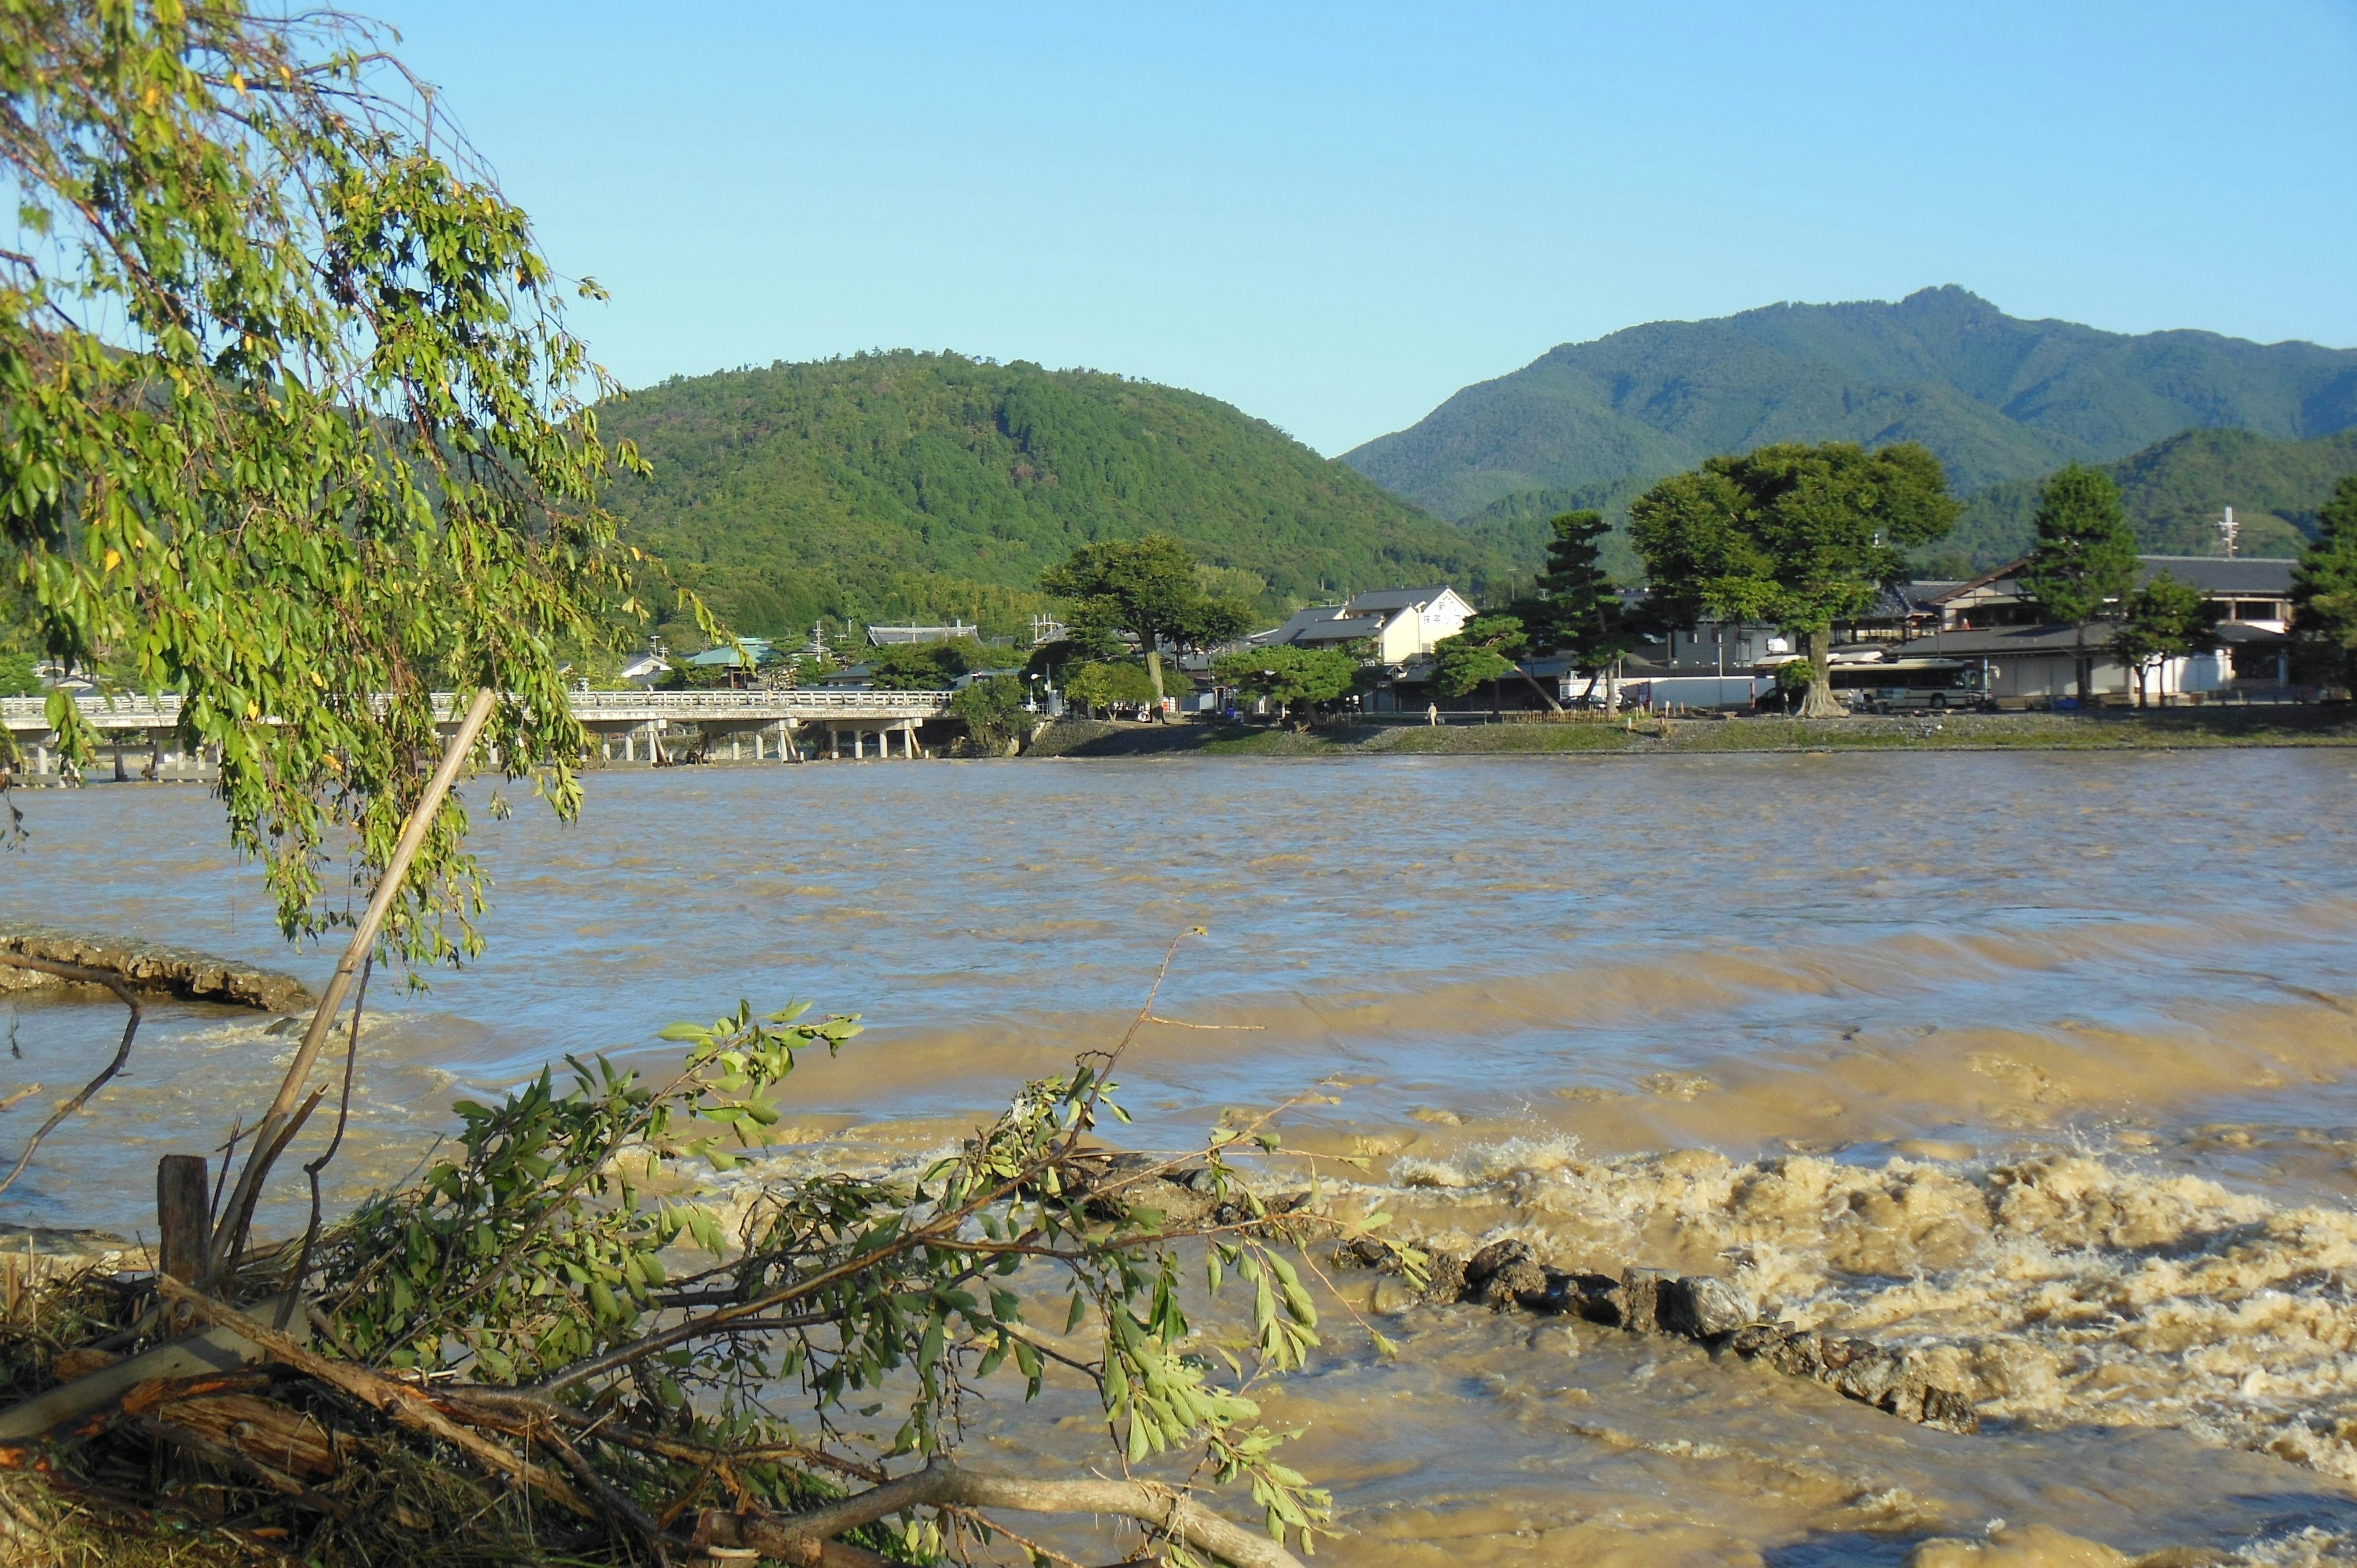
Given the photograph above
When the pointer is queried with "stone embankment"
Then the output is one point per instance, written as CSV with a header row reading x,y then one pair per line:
x,y
1507,1276
146,966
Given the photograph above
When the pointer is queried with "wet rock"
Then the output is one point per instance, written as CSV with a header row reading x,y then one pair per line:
x,y
1504,1274
1594,1297
1702,1307
1393,1297
1445,1278
1640,1300
1859,1369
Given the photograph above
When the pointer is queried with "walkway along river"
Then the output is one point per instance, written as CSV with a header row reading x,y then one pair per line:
x,y
2039,1064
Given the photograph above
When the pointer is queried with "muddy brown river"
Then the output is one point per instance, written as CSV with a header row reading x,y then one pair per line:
x,y
2040,1066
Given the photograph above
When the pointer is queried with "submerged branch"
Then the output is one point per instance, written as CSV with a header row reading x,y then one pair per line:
x,y
114,982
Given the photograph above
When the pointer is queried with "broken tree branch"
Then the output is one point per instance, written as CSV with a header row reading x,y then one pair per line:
x,y
798,1538
114,982
229,1241
404,1404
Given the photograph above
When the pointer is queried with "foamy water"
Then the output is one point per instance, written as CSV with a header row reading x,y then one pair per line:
x,y
2039,1065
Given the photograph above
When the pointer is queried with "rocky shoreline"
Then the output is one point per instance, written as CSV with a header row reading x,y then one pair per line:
x,y
152,967
1508,1276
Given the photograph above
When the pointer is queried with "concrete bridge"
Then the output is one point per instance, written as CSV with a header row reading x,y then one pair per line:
x,y
625,726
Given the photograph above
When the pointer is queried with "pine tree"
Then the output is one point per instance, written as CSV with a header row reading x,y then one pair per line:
x,y
2085,561
2324,585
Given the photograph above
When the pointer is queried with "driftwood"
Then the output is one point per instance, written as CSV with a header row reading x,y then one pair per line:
x,y
799,1538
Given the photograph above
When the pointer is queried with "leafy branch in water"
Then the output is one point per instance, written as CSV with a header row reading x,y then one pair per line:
x,y
646,1344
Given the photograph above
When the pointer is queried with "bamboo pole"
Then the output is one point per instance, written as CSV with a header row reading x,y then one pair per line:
x,y
230,1239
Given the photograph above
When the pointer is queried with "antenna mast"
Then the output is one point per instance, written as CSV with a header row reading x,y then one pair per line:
x,y
2229,531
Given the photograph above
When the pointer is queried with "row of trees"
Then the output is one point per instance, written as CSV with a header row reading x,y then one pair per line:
x,y
1795,536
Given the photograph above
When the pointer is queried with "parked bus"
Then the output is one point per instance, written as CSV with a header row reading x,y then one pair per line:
x,y
1896,685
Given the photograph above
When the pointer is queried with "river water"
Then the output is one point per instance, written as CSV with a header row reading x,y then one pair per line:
x,y
2039,1064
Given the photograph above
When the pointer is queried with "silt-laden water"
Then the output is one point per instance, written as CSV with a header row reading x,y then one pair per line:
x,y
2039,1064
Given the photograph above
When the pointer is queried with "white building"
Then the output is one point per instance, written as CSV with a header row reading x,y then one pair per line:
x,y
1399,625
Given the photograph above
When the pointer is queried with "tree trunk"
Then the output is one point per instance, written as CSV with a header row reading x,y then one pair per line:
x,y
1612,690
1820,703
1154,671
1545,695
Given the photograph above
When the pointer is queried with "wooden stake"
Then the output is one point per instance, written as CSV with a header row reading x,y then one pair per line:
x,y
183,1217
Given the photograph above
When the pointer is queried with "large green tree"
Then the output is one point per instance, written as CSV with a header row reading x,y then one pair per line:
x,y
2084,560
1794,536
1147,588
1297,679
2324,585
2163,620
925,666
291,426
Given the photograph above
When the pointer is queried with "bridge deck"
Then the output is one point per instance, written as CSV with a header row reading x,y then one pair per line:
x,y
598,710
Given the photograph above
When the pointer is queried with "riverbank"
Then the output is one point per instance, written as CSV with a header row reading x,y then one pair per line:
x,y
2172,729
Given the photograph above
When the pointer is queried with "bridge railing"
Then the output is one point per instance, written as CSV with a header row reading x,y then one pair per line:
x,y
30,714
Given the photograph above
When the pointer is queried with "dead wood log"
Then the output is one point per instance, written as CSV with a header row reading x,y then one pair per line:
x,y
221,1348
205,1446
800,1539
183,1220
404,1404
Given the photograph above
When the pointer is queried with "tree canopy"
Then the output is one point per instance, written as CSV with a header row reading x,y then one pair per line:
x,y
2163,620
294,429
1148,589
2084,560
1297,679
1583,611
2324,585
903,486
1483,651
1104,682
2085,556
1793,536
925,666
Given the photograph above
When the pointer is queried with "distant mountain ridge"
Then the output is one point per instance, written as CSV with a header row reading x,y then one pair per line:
x,y
2172,492
899,485
1995,397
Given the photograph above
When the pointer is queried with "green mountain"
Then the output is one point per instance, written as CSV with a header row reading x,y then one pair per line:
x,y
2173,491
1996,398
904,485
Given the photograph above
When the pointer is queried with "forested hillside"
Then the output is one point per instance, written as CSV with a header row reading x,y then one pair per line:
x,y
2173,491
896,485
1995,397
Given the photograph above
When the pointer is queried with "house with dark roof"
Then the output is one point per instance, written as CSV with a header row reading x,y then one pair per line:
x,y
1992,618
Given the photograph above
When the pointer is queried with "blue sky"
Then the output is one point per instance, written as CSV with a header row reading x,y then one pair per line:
x,y
1333,216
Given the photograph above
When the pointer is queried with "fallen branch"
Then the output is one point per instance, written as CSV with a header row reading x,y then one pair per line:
x,y
799,1538
406,1405
229,1240
114,982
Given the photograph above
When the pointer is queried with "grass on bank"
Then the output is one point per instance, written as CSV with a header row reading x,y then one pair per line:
x,y
2153,729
